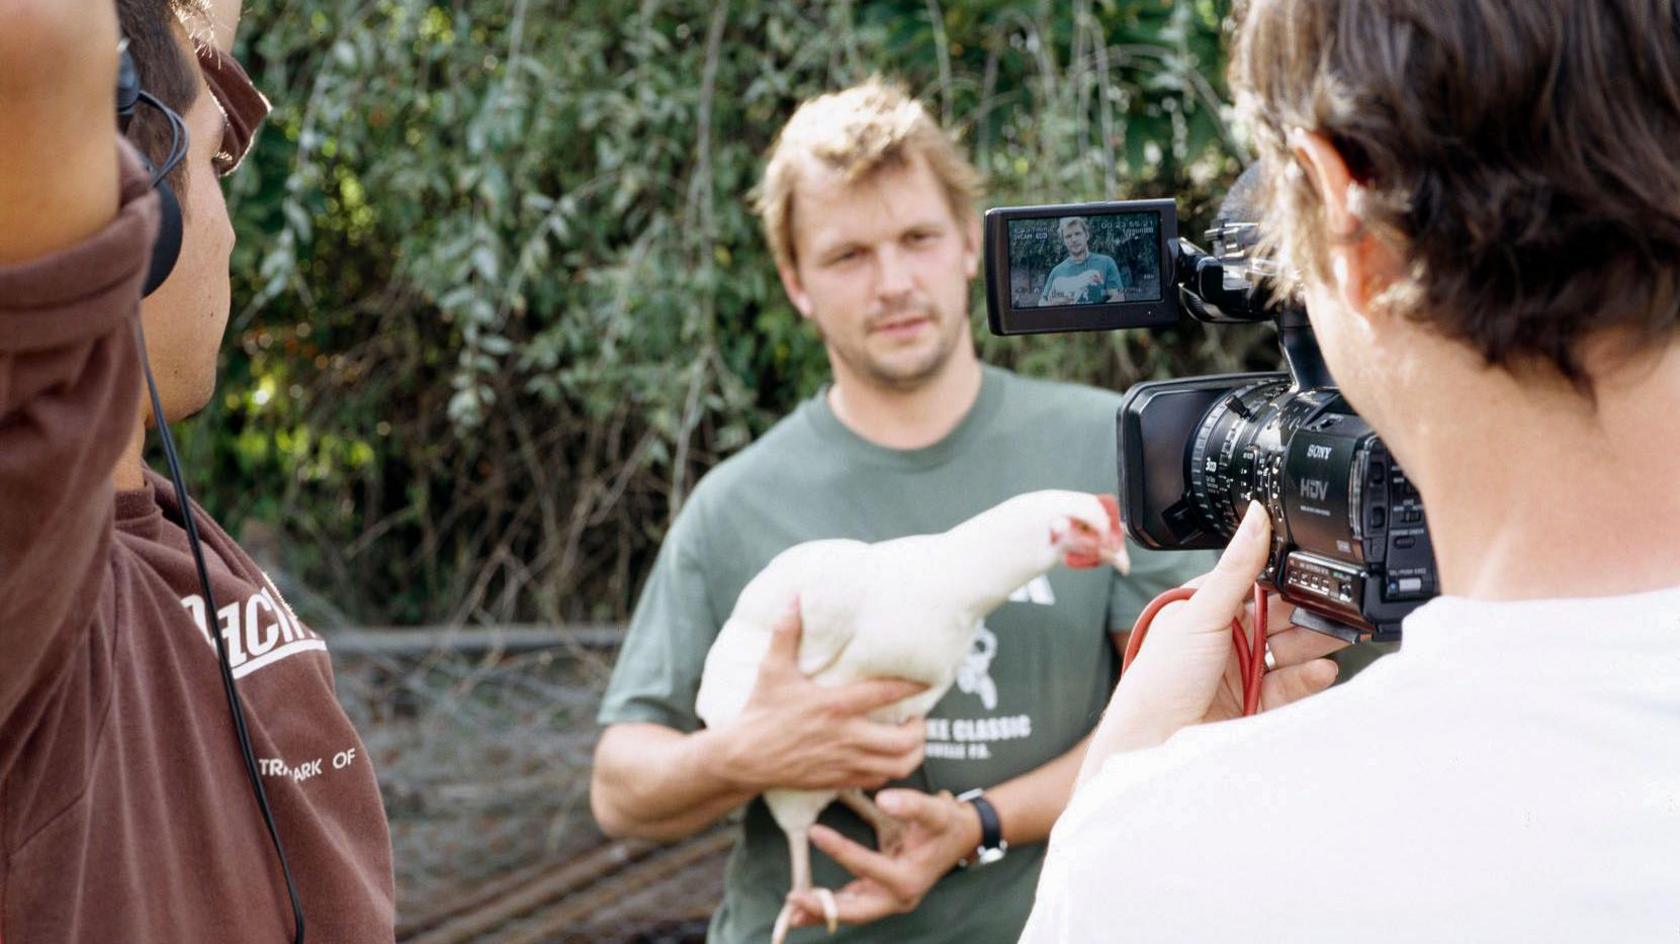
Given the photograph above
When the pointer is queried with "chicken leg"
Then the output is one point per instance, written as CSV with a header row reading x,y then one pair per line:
x,y
799,853
889,832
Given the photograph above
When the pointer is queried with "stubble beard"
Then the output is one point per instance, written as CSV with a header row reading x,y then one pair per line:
x,y
901,378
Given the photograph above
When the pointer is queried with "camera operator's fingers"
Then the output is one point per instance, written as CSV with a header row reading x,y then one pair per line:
x,y
1278,614
1221,593
1294,645
1295,682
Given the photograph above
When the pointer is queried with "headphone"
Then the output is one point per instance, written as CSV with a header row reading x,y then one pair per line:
x,y
165,252
167,249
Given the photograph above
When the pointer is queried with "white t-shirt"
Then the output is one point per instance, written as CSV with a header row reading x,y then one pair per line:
x,y
1512,774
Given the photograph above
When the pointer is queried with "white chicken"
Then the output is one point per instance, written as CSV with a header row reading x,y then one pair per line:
x,y
906,608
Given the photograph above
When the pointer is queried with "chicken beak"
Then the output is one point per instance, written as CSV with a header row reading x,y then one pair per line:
x,y
1114,554
1114,539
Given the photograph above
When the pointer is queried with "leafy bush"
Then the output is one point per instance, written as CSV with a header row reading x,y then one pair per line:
x,y
500,300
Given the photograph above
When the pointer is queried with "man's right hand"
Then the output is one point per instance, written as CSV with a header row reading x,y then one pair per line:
x,y
795,733
655,782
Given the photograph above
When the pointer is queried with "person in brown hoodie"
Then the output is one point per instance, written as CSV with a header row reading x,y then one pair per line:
x,y
125,809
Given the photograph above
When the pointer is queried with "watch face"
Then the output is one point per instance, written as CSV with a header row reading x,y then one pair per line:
x,y
988,856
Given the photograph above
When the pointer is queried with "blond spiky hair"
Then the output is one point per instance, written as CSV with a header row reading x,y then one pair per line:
x,y
856,132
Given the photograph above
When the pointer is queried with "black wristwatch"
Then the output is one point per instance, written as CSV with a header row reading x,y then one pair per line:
x,y
992,847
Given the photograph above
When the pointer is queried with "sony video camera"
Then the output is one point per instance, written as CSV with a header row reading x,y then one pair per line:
x,y
1350,544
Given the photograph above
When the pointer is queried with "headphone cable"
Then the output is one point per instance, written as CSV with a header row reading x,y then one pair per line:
x,y
235,707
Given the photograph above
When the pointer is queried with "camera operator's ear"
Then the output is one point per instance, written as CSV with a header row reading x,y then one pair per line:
x,y
1361,265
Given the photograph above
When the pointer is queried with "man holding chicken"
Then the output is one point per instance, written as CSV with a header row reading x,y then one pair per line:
x,y
870,213
1084,277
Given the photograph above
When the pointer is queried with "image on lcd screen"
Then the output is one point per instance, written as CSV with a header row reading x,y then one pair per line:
x,y
1084,260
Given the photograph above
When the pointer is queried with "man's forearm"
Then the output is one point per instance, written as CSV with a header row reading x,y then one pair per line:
x,y
654,782
58,169
1029,804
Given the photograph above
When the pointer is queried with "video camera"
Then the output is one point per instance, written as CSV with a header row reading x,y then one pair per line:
x,y
1350,544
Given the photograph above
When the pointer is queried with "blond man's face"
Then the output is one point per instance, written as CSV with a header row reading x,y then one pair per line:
x,y
883,268
1075,239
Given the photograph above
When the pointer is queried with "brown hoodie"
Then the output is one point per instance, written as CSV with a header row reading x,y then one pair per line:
x,y
125,812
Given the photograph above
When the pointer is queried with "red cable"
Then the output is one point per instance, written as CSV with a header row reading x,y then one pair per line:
x,y
1251,651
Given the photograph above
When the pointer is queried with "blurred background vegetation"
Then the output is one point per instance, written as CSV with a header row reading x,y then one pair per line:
x,y
500,300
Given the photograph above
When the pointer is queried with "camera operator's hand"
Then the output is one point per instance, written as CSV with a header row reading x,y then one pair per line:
x,y
797,734
1186,673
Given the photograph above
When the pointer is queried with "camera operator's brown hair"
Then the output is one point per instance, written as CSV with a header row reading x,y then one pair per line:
x,y
1524,157
164,69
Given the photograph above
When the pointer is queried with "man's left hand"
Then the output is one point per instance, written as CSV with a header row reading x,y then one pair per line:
x,y
938,831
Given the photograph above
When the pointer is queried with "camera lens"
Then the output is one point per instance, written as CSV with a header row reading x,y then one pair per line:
x,y
1238,451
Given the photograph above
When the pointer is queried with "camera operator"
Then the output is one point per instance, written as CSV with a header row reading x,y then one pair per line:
x,y
126,812
1482,201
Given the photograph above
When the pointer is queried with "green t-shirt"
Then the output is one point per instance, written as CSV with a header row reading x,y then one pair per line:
x,y
1089,280
1034,684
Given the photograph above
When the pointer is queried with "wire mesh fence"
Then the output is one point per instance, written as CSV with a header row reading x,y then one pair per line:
x,y
482,739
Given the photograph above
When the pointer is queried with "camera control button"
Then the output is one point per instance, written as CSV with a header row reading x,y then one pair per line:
x,y
1379,518
1409,584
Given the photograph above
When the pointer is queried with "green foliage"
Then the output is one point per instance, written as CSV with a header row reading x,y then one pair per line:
x,y
501,300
